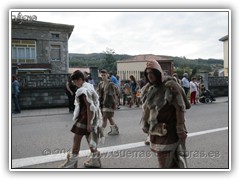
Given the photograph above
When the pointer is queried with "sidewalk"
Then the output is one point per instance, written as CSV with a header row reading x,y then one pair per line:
x,y
64,110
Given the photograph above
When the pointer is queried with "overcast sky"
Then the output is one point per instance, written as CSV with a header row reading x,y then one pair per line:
x,y
190,34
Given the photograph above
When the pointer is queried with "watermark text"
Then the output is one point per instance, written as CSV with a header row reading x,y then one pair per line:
x,y
20,17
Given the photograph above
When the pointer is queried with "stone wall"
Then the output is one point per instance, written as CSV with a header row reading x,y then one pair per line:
x,y
42,90
218,86
42,80
32,98
48,90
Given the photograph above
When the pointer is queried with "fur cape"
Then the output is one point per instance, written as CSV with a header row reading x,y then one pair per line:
x,y
92,97
155,98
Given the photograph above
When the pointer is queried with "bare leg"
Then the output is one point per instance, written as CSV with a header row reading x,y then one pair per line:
x,y
76,143
104,123
111,121
94,158
72,158
114,127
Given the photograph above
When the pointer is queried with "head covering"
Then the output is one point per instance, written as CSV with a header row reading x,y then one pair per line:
x,y
185,74
103,71
153,64
175,74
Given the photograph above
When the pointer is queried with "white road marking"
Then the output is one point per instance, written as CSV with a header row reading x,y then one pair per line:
x,y
207,131
18,163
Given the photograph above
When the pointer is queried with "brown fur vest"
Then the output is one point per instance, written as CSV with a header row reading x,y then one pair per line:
x,y
106,92
155,98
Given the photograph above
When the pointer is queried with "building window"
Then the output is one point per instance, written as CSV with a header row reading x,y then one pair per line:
x,y
55,35
23,51
55,52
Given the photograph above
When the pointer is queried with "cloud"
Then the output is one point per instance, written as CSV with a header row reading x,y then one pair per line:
x,y
192,34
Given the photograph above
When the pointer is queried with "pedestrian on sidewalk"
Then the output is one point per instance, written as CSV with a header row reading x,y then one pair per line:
x,y
193,90
185,83
164,103
87,122
15,94
133,85
108,102
70,90
126,89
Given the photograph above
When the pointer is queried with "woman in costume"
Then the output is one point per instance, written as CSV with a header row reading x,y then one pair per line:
x,y
164,104
87,122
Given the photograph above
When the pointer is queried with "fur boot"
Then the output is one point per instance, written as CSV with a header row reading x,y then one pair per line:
x,y
114,130
71,161
94,161
147,141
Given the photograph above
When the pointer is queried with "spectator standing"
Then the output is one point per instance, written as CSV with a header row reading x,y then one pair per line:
x,y
15,94
142,82
70,90
185,83
133,85
198,90
193,90
138,93
126,91
113,79
91,80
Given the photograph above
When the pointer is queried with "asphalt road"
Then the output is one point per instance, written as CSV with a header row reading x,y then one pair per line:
x,y
38,136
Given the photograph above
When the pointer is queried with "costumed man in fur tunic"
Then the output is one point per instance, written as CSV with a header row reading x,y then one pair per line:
x,y
164,103
107,92
87,122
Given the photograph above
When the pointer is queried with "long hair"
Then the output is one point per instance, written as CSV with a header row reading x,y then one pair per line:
x,y
14,77
157,74
132,78
78,75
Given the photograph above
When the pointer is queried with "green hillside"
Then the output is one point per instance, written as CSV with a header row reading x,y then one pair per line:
x,y
108,61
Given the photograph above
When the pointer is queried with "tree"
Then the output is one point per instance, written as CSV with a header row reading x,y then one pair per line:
x,y
181,71
194,72
110,61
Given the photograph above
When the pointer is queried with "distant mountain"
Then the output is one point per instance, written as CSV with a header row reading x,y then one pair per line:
x,y
98,60
88,57
94,59
200,64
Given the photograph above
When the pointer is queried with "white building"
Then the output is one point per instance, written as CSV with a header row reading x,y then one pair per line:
x,y
225,53
136,65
